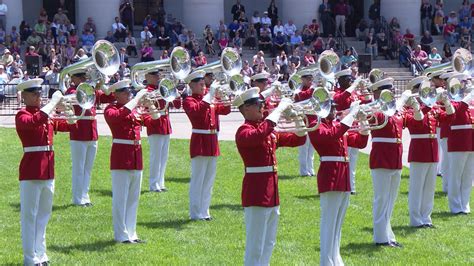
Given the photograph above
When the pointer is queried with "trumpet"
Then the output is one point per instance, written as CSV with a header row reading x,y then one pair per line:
x,y
84,97
295,119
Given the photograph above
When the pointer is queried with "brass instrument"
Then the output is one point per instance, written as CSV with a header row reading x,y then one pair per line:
x,y
148,104
366,118
84,97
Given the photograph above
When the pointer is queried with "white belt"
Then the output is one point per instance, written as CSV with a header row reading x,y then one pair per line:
x,y
261,169
205,131
469,126
387,140
38,148
423,136
127,141
334,159
87,118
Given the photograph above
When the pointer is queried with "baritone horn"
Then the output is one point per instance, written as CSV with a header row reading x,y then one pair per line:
x,y
149,104
84,97
366,118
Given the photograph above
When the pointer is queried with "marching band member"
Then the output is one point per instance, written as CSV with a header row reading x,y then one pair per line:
x,y
208,79
35,130
83,140
423,156
256,142
331,140
461,154
306,151
344,96
125,161
204,146
386,166
158,131
260,80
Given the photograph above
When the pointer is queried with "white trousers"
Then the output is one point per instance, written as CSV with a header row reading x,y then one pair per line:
x,y
36,204
421,192
333,209
83,156
461,165
306,158
444,163
126,186
353,155
440,154
159,149
203,173
341,23
386,183
260,234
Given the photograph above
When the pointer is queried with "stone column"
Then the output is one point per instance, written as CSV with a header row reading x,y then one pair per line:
x,y
14,15
198,13
301,11
406,11
102,12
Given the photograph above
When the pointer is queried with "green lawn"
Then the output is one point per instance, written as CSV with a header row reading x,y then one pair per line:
x,y
84,235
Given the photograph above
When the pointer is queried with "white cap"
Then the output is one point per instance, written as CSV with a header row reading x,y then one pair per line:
x,y
195,75
345,72
126,83
77,71
306,72
383,82
30,85
246,95
6,51
416,81
438,73
263,75
459,76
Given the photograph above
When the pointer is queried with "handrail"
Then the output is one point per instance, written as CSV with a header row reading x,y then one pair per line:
x,y
340,39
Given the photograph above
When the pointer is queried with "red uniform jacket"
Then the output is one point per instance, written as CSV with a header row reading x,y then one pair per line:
x,y
34,128
444,124
462,139
162,125
86,130
344,99
269,105
388,155
304,94
124,125
425,150
256,143
331,139
204,116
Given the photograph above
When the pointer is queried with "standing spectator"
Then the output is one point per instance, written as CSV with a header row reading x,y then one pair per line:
x,y
426,11
119,30
43,16
251,38
131,44
434,57
126,14
447,53
209,44
89,26
3,35
60,17
145,35
374,11
200,59
255,21
237,9
371,45
409,37
426,41
464,10
88,41
438,17
341,11
25,31
325,14
147,52
272,12
264,42
163,39
361,30
3,14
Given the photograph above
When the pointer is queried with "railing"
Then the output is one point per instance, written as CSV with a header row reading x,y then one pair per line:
x,y
388,33
340,39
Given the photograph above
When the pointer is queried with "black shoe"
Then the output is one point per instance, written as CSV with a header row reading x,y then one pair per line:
x,y
139,241
387,244
127,242
156,190
208,219
353,193
164,189
396,244
45,263
89,204
461,213
429,226
420,226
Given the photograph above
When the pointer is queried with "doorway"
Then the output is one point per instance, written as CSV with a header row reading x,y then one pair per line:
x,y
69,7
357,13
154,8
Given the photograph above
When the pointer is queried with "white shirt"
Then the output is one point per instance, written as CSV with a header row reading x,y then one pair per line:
x,y
145,35
266,20
290,29
255,20
117,26
3,9
277,29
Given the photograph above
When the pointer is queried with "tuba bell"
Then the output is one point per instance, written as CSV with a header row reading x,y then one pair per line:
x,y
366,118
329,64
84,97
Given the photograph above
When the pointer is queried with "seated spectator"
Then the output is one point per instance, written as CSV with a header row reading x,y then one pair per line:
x,y
295,60
68,27
434,57
447,53
223,42
237,42
465,24
251,37
453,19
371,45
318,45
420,59
278,28
234,26
119,31
200,59
146,52
377,26
123,55
382,47
62,39
279,43
296,40
258,58
361,30
426,41
124,71
89,26
266,29
176,29
131,44
7,58
274,69
31,51
43,15
4,79
54,27
290,29
3,35
265,42
282,61
41,28
150,24
34,39
221,28
88,41
14,35
73,39
60,17
348,58
43,51
164,55
207,29
163,39
243,22
70,50
394,25
331,43
404,57
25,31
255,21
145,35
110,37
308,58
52,58
183,37
314,27
265,20
49,39
193,43
209,44
308,35
80,55
246,69
449,33
409,37
15,48
466,39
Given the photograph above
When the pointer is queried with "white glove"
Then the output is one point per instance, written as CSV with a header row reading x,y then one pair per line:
x,y
284,104
354,85
212,92
415,105
134,102
266,93
468,98
348,120
301,133
55,100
